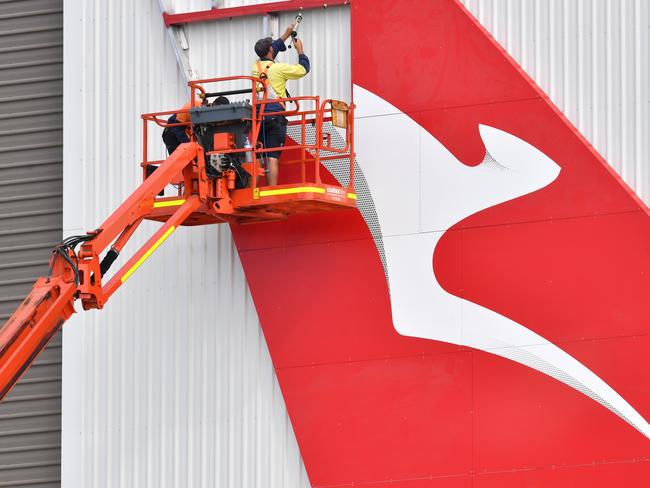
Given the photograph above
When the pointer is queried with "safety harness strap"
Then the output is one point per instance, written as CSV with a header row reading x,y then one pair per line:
x,y
264,77
263,72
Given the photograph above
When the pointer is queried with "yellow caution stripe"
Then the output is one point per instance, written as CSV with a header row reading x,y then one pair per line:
x,y
352,196
168,203
291,191
146,255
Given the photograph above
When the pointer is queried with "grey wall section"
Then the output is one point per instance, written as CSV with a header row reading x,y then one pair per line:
x,y
31,141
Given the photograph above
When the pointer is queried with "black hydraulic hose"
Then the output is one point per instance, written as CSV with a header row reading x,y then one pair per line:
x,y
108,260
225,93
67,247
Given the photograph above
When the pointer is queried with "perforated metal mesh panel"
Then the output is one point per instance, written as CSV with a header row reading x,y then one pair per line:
x,y
340,169
31,105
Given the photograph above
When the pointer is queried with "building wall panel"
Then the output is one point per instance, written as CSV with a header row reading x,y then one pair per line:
x,y
31,72
225,47
171,384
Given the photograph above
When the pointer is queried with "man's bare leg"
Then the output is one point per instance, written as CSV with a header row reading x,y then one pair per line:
x,y
272,175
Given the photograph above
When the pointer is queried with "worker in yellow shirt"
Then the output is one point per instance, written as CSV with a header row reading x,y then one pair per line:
x,y
274,127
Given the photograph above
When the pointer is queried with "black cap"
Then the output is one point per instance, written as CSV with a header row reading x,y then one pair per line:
x,y
262,46
220,101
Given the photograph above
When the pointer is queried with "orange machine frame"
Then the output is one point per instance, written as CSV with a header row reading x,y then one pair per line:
x,y
77,275
255,204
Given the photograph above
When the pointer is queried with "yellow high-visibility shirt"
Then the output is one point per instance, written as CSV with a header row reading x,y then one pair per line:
x,y
278,74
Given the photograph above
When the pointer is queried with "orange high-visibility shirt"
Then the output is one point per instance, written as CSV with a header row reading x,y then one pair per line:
x,y
185,117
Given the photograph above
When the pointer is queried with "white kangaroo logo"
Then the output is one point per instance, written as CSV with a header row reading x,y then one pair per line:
x,y
451,191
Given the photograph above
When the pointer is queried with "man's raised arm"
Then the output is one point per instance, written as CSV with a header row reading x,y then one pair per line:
x,y
288,31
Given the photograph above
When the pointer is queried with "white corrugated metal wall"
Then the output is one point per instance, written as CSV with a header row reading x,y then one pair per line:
x,y
592,57
171,384
226,46
158,394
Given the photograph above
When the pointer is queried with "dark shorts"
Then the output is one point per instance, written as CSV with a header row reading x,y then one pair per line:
x,y
273,134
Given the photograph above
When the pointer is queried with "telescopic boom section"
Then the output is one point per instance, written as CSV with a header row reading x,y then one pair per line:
x,y
30,328
77,276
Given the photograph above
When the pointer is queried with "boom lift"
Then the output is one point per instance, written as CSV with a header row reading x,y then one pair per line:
x,y
216,176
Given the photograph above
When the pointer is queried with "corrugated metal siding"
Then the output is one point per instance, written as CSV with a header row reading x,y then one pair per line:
x,y
31,51
592,58
226,46
171,384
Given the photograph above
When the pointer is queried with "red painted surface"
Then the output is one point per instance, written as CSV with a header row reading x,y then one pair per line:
x,y
524,419
601,474
373,408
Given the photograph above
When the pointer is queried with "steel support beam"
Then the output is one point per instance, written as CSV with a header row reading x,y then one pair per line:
x,y
248,10
180,45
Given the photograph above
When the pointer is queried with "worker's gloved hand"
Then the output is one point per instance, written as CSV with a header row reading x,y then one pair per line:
x,y
297,43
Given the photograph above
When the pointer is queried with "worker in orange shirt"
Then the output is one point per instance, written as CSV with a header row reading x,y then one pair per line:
x,y
177,135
